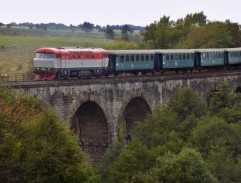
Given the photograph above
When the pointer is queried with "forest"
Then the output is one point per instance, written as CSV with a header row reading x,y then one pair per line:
x,y
189,140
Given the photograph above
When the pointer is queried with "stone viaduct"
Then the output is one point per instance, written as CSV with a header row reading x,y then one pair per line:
x,y
95,108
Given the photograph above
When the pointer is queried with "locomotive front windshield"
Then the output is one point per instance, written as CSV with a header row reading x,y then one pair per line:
x,y
45,55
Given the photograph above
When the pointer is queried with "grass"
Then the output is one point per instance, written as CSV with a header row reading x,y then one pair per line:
x,y
17,46
17,53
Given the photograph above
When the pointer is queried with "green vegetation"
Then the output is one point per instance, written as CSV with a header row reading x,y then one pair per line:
x,y
186,141
35,146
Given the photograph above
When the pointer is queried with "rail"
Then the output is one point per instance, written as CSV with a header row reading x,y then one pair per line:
x,y
19,80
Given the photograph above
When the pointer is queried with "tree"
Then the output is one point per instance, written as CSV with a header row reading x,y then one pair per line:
x,y
87,27
212,35
1,24
109,32
196,19
187,103
125,29
187,166
35,146
219,144
235,33
136,159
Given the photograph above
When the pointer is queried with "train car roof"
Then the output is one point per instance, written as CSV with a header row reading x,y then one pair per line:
x,y
232,49
118,52
209,50
175,51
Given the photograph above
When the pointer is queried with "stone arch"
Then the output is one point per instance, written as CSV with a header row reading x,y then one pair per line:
x,y
133,111
90,124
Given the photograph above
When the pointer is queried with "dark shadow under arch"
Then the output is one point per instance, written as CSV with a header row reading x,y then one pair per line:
x,y
90,124
135,111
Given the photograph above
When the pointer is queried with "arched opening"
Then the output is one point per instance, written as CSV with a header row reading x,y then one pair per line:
x,y
90,124
238,90
135,111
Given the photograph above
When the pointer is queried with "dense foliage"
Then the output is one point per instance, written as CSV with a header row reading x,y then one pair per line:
x,y
193,31
35,146
186,141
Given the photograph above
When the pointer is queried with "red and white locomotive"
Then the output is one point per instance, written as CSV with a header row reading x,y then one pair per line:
x,y
57,63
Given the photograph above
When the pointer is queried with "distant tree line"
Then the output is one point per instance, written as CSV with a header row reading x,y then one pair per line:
x,y
86,26
193,31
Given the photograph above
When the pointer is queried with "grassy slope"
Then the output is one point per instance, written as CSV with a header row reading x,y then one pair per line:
x,y
17,46
17,53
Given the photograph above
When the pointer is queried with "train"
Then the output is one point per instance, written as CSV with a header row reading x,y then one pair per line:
x,y
67,62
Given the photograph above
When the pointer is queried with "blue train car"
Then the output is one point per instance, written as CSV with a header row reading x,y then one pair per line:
x,y
209,58
175,59
233,56
132,61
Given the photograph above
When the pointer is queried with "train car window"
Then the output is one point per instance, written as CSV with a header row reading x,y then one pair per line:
x,y
122,58
167,56
180,56
152,58
171,56
184,56
147,57
93,55
127,58
176,56
188,56
132,58
142,58
137,58
192,56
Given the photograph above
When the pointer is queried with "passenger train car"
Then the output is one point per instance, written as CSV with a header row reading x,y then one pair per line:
x,y
61,63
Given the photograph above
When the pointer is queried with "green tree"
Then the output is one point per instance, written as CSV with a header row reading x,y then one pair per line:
x,y
136,159
109,32
187,103
212,35
187,166
219,144
235,33
35,146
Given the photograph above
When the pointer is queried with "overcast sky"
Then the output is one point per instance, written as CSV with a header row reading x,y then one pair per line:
x,y
103,12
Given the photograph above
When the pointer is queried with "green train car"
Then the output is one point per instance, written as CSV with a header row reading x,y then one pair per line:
x,y
133,61
209,58
233,56
175,59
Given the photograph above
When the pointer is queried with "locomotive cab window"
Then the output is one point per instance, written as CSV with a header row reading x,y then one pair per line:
x,y
45,55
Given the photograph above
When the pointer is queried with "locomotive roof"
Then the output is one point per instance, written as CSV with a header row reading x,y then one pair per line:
x,y
68,49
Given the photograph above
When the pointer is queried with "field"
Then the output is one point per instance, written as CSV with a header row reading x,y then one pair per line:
x,y
17,46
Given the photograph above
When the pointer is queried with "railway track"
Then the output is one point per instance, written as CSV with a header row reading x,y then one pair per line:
x,y
120,79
